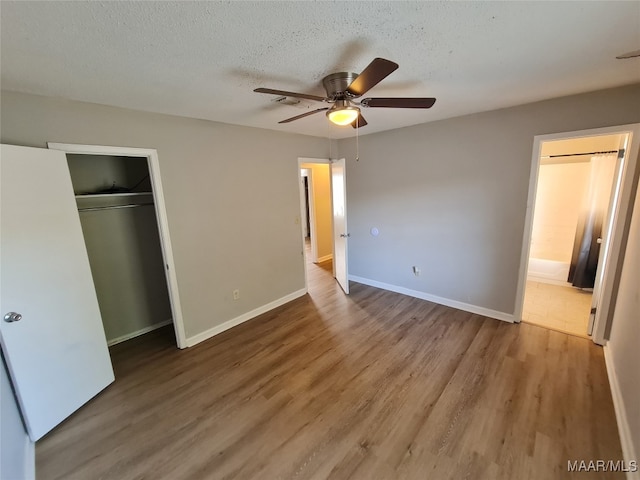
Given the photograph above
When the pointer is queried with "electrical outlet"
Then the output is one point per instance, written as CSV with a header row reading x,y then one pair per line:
x,y
236,294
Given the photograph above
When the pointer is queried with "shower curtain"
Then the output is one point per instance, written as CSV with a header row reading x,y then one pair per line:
x,y
593,217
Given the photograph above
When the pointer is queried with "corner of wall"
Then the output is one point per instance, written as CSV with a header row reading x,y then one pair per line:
x,y
201,337
485,312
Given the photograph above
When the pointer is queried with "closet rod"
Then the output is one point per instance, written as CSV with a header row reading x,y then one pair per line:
x,y
113,207
578,154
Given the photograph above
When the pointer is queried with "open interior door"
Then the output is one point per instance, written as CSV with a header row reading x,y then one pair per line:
x,y
340,232
51,330
604,240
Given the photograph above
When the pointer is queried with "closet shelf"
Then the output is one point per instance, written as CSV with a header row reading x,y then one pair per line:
x,y
111,195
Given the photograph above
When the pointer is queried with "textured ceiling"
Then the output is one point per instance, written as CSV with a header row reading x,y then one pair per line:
x,y
203,59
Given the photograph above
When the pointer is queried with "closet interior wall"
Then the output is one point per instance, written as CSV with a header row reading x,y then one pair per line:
x,y
117,214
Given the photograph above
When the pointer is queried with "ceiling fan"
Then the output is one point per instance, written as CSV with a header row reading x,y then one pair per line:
x,y
343,88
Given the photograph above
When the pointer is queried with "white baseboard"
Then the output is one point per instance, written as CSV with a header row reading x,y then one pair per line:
x,y
137,333
325,258
486,312
621,416
201,337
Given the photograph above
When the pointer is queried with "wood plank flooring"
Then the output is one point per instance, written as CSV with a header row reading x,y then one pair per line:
x,y
375,385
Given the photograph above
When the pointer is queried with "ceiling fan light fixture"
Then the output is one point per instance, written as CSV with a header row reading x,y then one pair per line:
x,y
342,113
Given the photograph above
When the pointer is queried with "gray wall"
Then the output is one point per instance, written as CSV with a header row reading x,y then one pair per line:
x,y
127,268
450,196
231,196
625,334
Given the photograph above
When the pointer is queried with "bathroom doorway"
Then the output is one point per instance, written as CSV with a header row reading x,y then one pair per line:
x,y
573,206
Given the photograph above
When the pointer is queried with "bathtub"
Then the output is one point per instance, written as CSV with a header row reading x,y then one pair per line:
x,y
548,271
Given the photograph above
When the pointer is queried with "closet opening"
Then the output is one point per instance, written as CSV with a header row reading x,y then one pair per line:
x,y
120,228
121,209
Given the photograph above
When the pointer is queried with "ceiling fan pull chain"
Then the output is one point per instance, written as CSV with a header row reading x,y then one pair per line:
x,y
357,139
329,137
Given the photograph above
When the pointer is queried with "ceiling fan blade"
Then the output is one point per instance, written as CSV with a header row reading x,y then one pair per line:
x,y
289,94
359,122
633,54
413,102
304,115
375,72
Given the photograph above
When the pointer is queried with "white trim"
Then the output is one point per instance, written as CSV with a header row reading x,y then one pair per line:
x,y
161,215
30,467
137,333
325,258
626,440
302,160
615,240
201,337
485,312
528,229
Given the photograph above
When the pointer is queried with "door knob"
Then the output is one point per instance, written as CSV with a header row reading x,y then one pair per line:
x,y
12,317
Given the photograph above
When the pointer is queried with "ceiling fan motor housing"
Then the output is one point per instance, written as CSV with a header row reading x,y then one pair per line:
x,y
336,84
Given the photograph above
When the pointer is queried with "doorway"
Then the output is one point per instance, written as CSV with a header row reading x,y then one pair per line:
x,y
317,218
577,219
573,197
121,209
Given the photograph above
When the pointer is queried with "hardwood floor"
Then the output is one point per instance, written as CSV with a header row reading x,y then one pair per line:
x,y
374,385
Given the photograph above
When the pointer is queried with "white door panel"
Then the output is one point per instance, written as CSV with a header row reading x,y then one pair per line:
x,y
616,174
340,232
57,353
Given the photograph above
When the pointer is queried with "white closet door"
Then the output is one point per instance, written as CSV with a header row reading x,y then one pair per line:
x,y
56,352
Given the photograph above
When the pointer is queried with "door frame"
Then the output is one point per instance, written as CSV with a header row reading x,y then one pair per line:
x,y
153,165
621,216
